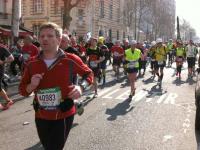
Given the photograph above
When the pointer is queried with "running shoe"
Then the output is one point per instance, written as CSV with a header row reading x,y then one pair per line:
x,y
9,103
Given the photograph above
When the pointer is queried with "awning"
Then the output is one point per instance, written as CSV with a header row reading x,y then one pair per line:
x,y
5,30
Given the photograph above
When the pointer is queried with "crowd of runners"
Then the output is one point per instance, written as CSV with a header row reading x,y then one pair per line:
x,y
58,68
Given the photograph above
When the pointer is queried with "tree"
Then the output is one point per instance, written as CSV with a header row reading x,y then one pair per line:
x,y
186,31
68,5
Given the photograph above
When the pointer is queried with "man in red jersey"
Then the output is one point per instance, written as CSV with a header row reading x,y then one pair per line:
x,y
29,50
117,53
49,76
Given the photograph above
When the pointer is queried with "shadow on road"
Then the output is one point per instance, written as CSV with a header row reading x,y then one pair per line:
x,y
88,100
119,110
113,82
149,80
190,81
74,125
155,91
37,146
178,82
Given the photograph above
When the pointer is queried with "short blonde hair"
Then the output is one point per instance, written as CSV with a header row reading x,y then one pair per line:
x,y
51,25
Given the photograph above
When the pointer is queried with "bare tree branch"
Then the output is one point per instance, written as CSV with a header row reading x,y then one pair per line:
x,y
75,4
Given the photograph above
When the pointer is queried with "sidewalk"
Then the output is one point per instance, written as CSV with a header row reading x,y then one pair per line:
x,y
13,92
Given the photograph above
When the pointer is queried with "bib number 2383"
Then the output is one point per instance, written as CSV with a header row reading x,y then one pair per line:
x,y
49,99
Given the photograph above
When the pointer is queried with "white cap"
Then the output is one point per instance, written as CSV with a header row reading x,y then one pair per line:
x,y
133,42
153,43
159,40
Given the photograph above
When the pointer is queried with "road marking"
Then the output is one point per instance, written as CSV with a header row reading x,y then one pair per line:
x,y
101,93
103,104
186,125
171,98
161,98
167,137
140,95
108,96
123,95
166,98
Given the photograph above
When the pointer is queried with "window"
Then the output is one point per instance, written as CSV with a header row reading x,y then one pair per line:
x,y
111,11
36,28
55,6
101,33
2,6
101,8
117,34
110,34
118,14
37,6
80,16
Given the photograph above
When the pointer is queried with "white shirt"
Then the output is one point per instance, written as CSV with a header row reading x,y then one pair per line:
x,y
49,61
190,51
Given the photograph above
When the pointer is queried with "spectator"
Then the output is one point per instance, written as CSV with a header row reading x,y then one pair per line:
x,y
5,57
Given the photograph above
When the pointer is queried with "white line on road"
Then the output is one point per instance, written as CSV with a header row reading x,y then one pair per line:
x,y
101,93
140,95
160,100
123,95
108,96
171,98
167,137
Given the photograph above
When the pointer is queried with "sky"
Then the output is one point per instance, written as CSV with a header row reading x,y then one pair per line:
x,y
189,10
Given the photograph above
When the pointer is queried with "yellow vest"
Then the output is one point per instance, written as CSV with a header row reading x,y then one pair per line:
x,y
133,56
160,53
180,51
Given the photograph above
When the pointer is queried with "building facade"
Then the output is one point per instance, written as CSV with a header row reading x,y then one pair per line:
x,y
100,17
5,12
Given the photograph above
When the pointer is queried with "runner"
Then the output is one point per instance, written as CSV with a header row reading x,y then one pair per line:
x,y
160,56
109,44
132,56
103,64
94,58
65,45
117,53
49,77
143,62
152,56
125,46
28,50
5,57
79,49
191,55
180,56
170,54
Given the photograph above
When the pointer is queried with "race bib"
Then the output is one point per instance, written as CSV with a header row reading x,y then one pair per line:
x,y
116,54
170,52
93,64
160,62
49,99
132,64
26,56
190,55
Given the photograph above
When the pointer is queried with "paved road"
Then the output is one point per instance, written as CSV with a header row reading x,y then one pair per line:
x,y
156,119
